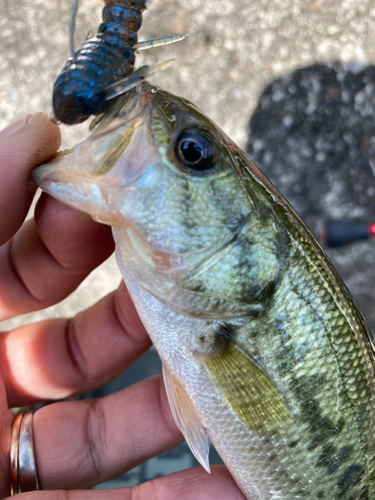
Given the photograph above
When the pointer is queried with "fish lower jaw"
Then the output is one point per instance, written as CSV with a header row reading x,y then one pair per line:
x,y
81,194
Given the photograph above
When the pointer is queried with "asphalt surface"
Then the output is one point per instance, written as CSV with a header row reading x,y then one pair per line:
x,y
312,131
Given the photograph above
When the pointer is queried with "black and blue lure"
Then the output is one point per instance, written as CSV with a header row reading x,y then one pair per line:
x,y
103,67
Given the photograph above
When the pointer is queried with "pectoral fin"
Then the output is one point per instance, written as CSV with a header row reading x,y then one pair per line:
x,y
187,419
248,390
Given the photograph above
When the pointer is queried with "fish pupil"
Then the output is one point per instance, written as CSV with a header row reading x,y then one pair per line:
x,y
191,151
194,150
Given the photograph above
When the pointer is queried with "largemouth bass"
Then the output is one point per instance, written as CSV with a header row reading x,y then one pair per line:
x,y
263,349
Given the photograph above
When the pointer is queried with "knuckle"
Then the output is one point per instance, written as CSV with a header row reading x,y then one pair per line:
x,y
96,439
75,353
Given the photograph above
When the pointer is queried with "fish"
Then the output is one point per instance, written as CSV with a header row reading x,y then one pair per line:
x,y
103,67
264,350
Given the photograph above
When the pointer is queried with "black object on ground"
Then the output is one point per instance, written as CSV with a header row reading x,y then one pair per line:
x,y
337,233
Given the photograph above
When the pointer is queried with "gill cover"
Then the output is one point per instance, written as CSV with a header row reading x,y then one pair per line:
x,y
181,201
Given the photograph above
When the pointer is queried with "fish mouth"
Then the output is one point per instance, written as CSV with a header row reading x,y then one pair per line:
x,y
112,176
91,176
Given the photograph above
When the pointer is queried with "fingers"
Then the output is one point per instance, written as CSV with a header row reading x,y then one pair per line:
x,y
58,358
23,146
190,484
49,257
83,443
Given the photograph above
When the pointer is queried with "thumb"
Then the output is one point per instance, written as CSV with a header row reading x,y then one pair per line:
x,y
23,145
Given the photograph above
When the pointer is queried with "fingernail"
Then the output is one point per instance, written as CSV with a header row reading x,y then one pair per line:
x,y
15,127
30,119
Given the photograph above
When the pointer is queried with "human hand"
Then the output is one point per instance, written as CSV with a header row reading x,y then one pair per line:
x,y
77,443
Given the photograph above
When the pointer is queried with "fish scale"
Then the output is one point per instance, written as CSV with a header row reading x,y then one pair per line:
x,y
271,455
354,386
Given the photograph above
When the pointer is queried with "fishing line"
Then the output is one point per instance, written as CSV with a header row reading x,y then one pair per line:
x,y
73,26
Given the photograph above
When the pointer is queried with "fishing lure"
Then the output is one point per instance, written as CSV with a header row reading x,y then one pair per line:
x,y
102,68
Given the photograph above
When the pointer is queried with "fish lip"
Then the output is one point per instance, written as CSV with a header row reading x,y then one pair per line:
x,y
83,194
77,178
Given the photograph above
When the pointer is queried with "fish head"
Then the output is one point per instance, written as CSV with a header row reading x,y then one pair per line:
x,y
180,198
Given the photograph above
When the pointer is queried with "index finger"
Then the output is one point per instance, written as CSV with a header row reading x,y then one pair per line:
x,y
24,145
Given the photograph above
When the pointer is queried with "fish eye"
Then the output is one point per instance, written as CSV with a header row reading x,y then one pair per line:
x,y
195,149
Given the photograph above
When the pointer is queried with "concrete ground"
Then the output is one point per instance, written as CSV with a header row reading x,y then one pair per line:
x,y
235,49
